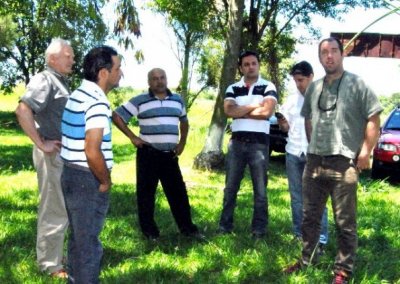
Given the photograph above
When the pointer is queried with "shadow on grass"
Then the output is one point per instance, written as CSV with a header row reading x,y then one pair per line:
x,y
8,121
15,158
18,234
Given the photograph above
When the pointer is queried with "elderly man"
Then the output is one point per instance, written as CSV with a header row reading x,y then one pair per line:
x,y
163,131
39,114
292,122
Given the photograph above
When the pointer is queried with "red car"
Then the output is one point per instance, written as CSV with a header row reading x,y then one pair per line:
x,y
386,159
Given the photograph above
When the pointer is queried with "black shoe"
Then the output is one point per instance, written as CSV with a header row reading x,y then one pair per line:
x,y
321,249
151,237
257,235
195,236
222,231
293,268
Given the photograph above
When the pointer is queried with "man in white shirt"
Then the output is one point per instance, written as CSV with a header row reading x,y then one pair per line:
x,y
291,121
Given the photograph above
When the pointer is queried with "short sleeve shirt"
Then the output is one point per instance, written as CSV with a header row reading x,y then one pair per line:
x,y
339,130
245,95
46,94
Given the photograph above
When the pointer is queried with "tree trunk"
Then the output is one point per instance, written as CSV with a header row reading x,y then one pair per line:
x,y
211,156
184,84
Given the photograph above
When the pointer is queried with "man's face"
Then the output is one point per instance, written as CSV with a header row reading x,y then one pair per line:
x,y
115,74
63,61
330,57
158,81
250,67
302,82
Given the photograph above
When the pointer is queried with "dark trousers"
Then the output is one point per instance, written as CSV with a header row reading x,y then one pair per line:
x,y
337,177
152,166
87,208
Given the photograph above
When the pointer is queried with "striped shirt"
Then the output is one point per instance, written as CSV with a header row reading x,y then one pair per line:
x,y
245,95
87,108
158,119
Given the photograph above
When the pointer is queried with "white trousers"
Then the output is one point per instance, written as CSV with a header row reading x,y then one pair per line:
x,y
52,215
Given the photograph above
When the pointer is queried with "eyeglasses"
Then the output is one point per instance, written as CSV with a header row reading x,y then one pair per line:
x,y
333,106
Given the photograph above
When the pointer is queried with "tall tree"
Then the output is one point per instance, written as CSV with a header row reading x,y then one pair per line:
x,y
191,21
274,18
37,22
211,156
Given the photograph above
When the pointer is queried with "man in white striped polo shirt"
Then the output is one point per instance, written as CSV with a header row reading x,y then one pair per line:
x,y
163,130
88,159
249,102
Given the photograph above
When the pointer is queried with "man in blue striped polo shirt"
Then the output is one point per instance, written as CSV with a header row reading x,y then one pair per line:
x,y
88,159
249,102
163,131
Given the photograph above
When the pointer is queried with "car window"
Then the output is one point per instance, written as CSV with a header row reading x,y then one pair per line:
x,y
394,121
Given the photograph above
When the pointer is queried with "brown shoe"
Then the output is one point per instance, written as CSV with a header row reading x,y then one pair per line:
x,y
294,267
62,274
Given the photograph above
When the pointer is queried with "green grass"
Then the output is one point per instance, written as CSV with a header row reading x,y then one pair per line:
x,y
128,258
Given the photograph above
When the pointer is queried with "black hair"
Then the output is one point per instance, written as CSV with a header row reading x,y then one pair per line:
x,y
302,68
98,58
247,53
330,39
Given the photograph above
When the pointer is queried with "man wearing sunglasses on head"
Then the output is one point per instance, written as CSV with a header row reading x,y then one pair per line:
x,y
342,124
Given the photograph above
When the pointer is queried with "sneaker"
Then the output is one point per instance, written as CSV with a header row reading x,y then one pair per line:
x,y
294,267
340,278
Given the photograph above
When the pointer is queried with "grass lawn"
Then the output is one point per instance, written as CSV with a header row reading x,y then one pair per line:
x,y
236,258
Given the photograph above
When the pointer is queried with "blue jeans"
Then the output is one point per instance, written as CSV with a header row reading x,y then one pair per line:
x,y
337,177
294,169
239,155
87,208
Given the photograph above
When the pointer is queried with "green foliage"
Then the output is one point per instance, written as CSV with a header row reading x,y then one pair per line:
x,y
209,63
192,22
37,22
389,103
8,33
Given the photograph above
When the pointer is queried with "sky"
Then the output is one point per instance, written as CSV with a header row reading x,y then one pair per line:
x,y
157,44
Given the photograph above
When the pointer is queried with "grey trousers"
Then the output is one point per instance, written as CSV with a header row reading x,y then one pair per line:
x,y
52,215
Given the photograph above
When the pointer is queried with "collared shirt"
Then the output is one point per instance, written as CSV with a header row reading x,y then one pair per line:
x,y
245,95
87,108
46,94
297,139
339,131
158,119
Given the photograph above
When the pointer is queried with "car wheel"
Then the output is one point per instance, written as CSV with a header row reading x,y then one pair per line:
x,y
376,171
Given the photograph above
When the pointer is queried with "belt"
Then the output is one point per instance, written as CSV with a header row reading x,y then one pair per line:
x,y
250,137
77,167
152,149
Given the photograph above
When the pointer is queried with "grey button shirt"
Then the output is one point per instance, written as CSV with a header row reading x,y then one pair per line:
x,y
46,94
341,130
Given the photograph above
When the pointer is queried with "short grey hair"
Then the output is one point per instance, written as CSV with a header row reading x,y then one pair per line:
x,y
55,47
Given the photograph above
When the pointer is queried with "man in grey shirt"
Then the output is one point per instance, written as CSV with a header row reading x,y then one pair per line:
x,y
342,125
39,114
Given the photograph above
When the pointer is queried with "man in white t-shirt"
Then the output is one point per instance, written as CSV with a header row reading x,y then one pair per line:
x,y
290,120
